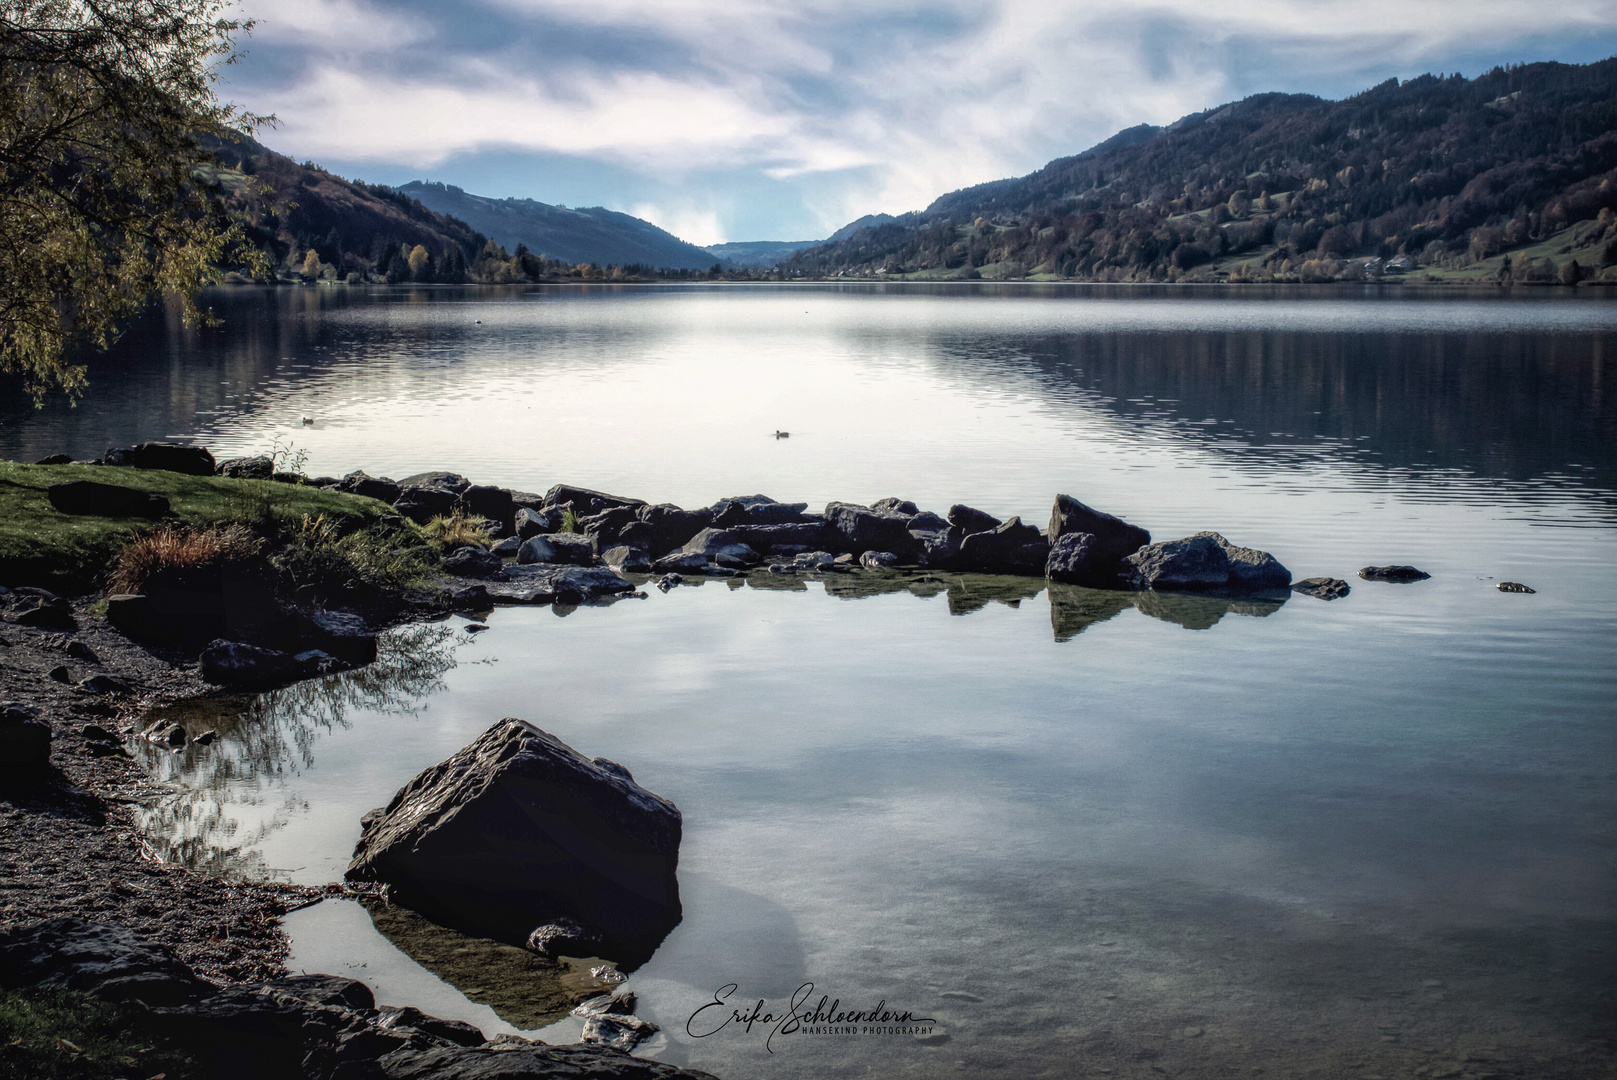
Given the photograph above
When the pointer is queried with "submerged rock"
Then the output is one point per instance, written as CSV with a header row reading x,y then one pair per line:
x,y
519,830
1325,588
1206,562
234,663
1393,573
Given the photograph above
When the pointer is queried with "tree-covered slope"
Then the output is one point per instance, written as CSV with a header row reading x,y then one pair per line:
x,y
1454,173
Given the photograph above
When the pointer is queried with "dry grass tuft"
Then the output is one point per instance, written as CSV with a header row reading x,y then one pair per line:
x,y
456,530
173,553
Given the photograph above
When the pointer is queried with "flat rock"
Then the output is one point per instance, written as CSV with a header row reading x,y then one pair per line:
x,y
670,528
1206,562
89,497
1325,588
546,583
1393,573
258,467
518,829
107,961
472,562
371,487
1115,538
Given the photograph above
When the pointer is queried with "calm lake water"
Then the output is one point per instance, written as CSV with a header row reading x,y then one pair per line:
x,y
1085,832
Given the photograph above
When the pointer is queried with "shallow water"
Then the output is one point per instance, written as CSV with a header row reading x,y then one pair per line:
x,y
1077,829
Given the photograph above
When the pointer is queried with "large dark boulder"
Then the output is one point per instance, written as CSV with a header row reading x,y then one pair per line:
x,y
422,504
1206,562
529,521
235,663
585,502
104,500
710,547
1399,574
864,528
170,457
494,503
371,487
607,526
1114,538
547,583
261,467
672,527
970,520
1076,559
454,483
107,961
574,549
340,633
472,562
757,510
1013,548
519,829
793,537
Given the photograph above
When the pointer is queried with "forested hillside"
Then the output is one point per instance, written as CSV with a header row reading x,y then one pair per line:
x,y
1511,175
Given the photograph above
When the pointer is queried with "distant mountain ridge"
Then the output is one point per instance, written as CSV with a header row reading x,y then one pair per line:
x,y
1511,175
759,254
570,234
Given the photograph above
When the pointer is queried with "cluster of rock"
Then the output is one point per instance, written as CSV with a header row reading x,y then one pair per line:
x,y
315,1027
520,838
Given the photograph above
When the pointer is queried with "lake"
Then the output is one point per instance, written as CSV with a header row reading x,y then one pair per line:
x,y
1082,832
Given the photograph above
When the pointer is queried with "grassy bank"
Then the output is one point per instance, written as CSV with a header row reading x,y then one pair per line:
x,y
40,545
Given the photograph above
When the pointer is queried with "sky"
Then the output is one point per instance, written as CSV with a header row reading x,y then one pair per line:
x,y
764,120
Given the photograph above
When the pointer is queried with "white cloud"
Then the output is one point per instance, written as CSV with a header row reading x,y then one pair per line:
x,y
692,224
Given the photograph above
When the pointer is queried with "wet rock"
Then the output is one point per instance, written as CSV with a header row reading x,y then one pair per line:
x,y
864,528
25,746
312,662
1515,587
472,562
1325,588
585,502
617,1030
422,504
206,738
518,830
1206,562
454,483
1393,573
260,467
625,559
1012,548
167,733
371,487
969,520
793,535
563,937
573,549
532,522
878,560
234,663
342,634
1076,559
170,457
89,497
669,581
107,961
1115,539
710,547
458,1032
469,598
548,583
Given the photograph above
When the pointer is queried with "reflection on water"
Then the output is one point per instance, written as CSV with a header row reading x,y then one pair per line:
x,y
228,796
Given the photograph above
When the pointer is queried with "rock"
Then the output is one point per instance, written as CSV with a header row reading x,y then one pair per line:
x,y
927,521
563,937
313,662
55,459
1076,559
508,547
170,457
794,536
167,733
1515,586
342,634
530,522
671,528
626,560
233,663
260,467
25,746
103,684
710,547
1206,562
548,583
895,506
104,500
472,562
454,483
669,581
1115,539
584,501
1325,588
48,615
570,548
60,673
864,528
73,647
617,1030
969,520
519,829
1012,548
107,961
469,598
422,504
758,510
371,487
493,503
1393,573
458,1032
606,527
878,560
206,738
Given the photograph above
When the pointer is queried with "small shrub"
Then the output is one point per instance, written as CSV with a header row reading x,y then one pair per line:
x,y
320,561
178,556
456,530
569,521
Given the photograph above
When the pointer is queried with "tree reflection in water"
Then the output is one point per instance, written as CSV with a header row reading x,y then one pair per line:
x,y
263,740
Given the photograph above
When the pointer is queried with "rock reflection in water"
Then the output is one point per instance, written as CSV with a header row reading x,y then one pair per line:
x,y
263,740
525,989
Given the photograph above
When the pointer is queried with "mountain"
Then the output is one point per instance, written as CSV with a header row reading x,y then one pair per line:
x,y
866,222
759,254
1511,175
572,235
352,225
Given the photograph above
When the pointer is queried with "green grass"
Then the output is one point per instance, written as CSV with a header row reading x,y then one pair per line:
x,y
41,546
71,1036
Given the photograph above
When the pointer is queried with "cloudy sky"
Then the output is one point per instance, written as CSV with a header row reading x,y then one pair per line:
x,y
763,120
